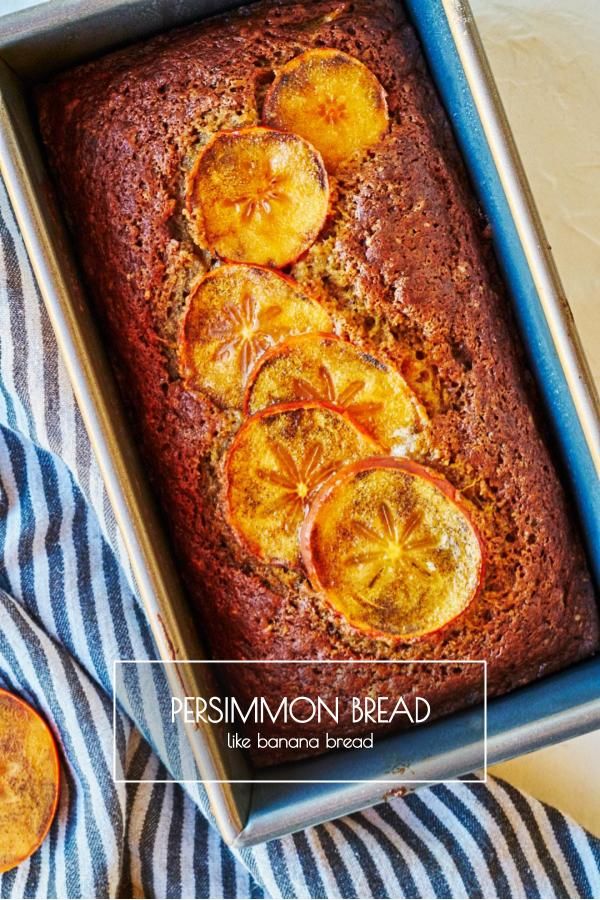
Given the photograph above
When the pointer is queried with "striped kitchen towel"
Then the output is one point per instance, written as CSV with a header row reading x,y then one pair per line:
x,y
68,608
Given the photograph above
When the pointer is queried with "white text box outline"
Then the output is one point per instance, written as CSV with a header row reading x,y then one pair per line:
x,y
354,662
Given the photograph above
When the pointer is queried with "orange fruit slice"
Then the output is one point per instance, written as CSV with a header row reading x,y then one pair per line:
x,y
235,313
258,196
277,461
329,368
390,545
29,780
332,100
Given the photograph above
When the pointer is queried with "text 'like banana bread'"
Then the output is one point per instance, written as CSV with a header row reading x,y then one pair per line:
x,y
403,266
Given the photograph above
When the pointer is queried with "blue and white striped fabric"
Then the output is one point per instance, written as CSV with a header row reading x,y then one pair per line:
x,y
68,607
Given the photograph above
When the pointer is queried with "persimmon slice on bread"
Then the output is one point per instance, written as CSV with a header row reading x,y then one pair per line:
x,y
234,314
332,100
328,368
277,461
391,546
258,195
29,780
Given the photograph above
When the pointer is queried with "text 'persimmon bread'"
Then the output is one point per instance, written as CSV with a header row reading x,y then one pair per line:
x,y
305,316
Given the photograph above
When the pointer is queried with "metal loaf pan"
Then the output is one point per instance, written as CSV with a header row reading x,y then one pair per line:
x,y
60,33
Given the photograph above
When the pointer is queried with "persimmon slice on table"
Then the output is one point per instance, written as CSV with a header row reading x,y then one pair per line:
x,y
332,100
329,368
258,196
277,461
235,313
29,780
392,548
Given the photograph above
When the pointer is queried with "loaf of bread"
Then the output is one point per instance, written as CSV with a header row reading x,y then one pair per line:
x,y
405,269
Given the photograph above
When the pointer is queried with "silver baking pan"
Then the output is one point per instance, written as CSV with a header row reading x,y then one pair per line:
x,y
60,33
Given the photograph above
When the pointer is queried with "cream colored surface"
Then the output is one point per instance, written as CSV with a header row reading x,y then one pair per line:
x,y
566,776
545,55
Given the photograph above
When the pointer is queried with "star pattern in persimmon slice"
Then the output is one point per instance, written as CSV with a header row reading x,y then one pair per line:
x,y
297,479
245,332
235,313
324,367
271,189
277,461
326,390
392,547
332,110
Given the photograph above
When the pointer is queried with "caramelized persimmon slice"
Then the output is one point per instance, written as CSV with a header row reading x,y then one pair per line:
x,y
332,100
329,368
277,461
29,780
235,313
258,196
392,548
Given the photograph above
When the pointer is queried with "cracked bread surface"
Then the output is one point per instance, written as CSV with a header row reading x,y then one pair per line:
x,y
405,268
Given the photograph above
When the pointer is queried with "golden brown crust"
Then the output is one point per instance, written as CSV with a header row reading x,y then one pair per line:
x,y
406,269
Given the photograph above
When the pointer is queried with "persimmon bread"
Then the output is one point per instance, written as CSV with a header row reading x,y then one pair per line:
x,y
303,310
